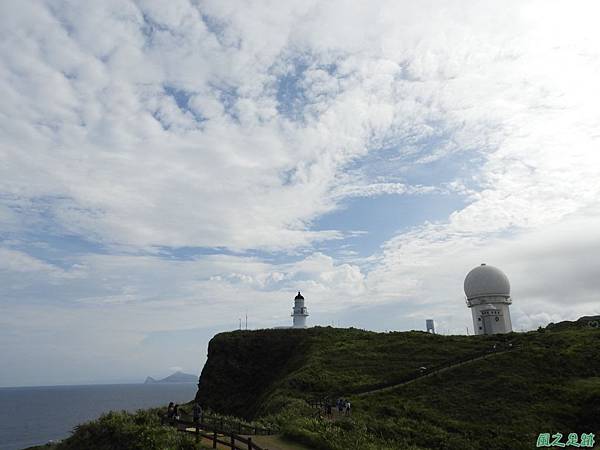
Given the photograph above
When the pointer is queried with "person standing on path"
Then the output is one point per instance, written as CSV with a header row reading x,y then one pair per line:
x,y
197,412
168,414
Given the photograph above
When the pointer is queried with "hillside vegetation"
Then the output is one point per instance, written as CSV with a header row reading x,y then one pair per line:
x,y
541,381
466,392
125,431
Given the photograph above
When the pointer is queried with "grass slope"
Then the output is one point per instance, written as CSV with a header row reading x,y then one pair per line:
x,y
550,382
547,381
125,431
247,371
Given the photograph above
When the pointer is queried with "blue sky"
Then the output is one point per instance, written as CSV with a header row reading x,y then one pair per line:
x,y
166,169
375,220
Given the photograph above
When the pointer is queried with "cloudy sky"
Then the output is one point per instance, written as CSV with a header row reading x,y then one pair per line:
x,y
168,167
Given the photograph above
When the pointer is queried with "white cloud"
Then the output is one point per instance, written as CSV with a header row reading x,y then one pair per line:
x,y
128,163
150,126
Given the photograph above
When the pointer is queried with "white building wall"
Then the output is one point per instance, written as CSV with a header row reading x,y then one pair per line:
x,y
503,325
299,322
507,321
300,312
477,320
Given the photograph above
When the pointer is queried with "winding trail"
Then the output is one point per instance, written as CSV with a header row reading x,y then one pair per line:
x,y
433,372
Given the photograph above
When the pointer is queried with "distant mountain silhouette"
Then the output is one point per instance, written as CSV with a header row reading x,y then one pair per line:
x,y
177,377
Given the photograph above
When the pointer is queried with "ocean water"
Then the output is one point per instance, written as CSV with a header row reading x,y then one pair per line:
x,y
35,415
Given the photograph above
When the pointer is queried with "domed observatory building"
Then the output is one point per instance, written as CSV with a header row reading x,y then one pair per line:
x,y
488,295
299,312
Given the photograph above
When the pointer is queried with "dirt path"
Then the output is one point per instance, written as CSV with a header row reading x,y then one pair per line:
x,y
206,442
276,442
443,369
272,442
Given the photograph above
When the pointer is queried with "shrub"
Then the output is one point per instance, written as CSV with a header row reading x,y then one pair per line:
x,y
126,431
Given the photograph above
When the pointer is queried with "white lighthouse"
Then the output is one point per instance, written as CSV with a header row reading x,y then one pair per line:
x,y
300,312
488,295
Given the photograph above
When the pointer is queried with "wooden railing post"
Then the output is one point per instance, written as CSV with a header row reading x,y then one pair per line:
x,y
232,441
249,443
197,432
215,438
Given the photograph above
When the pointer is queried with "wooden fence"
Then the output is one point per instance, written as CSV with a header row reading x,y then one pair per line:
x,y
233,426
216,433
230,440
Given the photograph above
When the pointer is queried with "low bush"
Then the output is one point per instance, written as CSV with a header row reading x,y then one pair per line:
x,y
126,431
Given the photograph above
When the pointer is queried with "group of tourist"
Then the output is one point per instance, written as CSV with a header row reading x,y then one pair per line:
x,y
173,412
342,405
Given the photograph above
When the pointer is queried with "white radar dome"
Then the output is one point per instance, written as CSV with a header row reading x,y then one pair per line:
x,y
484,281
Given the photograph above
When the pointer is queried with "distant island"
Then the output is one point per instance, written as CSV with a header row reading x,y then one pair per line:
x,y
177,377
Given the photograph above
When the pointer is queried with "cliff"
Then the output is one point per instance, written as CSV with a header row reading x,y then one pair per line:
x,y
493,392
243,367
408,390
250,373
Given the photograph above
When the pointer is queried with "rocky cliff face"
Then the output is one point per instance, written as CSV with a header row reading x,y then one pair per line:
x,y
244,366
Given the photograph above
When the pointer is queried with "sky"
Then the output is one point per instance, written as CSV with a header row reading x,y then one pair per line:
x,y
167,168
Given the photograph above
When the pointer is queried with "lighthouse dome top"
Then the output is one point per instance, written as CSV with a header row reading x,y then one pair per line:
x,y
299,296
485,281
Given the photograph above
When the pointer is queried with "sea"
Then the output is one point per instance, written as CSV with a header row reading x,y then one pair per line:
x,y
36,415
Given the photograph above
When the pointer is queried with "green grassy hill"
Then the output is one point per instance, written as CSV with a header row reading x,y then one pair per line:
x,y
466,392
547,382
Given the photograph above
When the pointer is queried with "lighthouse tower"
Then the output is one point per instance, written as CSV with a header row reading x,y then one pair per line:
x,y
488,296
300,313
